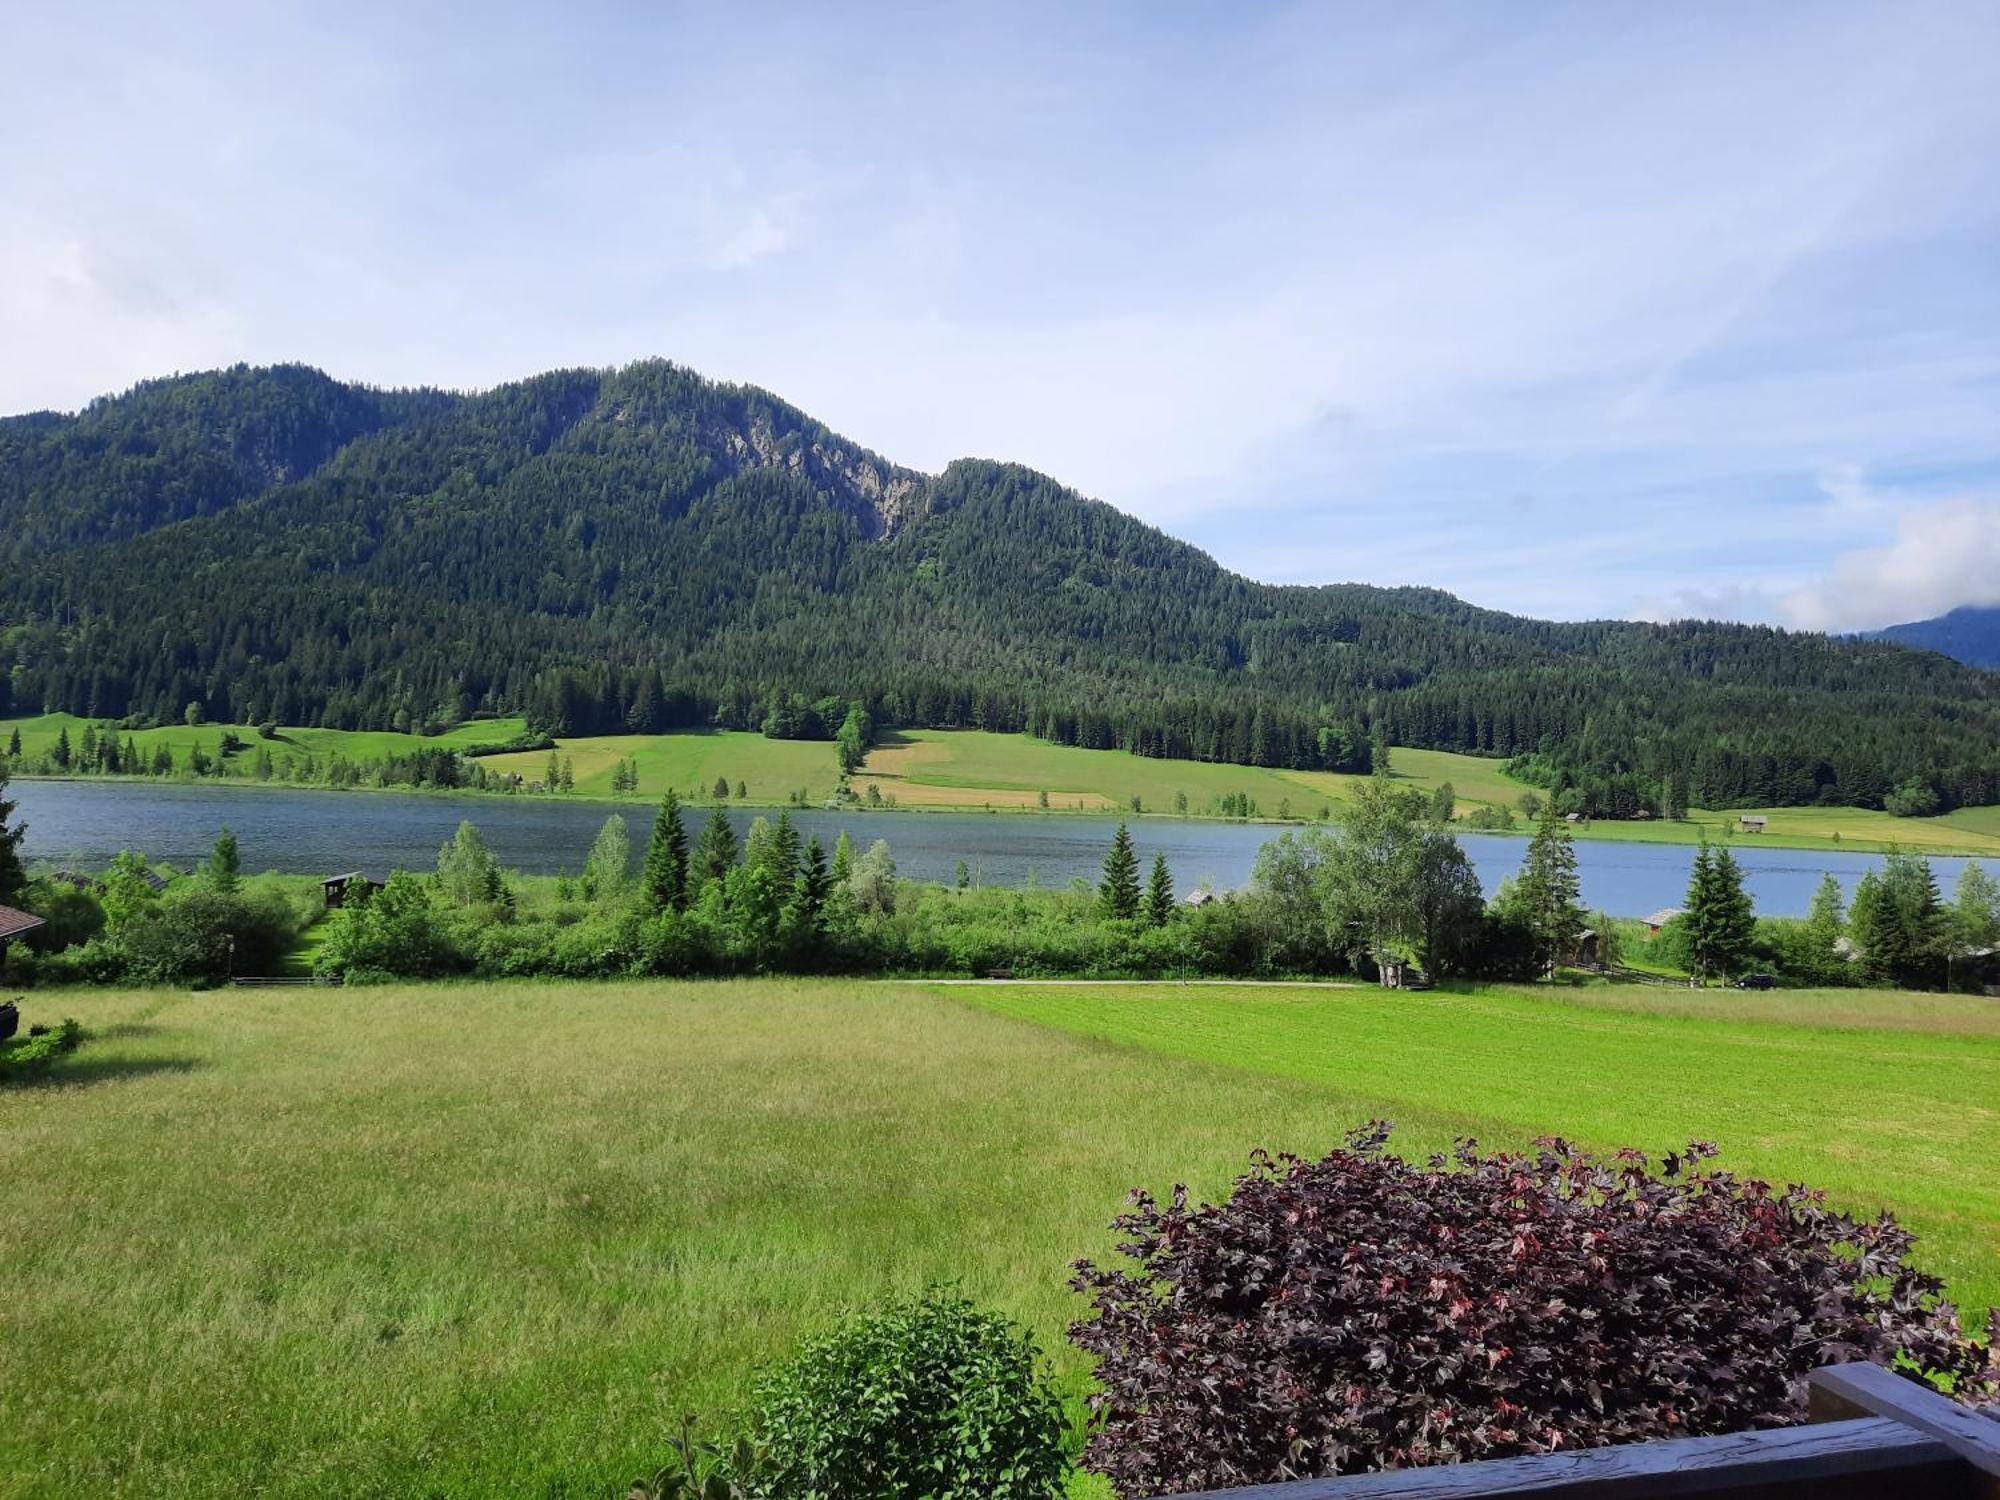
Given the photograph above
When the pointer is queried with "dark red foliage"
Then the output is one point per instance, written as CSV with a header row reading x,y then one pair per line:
x,y
1363,1312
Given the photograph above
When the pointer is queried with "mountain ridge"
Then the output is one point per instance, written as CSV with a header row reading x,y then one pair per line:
x,y
1969,634
642,546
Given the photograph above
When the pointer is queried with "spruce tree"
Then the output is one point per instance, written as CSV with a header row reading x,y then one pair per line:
x,y
1721,922
1826,919
1160,894
1548,890
1118,892
665,877
14,743
224,865
715,851
843,858
12,875
806,913
781,855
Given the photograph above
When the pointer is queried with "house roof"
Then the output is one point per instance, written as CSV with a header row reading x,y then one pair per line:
x,y
340,879
13,923
1664,915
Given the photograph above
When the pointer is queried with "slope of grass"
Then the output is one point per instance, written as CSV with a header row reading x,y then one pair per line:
x,y
493,1239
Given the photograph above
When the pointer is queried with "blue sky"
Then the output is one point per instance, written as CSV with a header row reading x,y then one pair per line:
x,y
1602,309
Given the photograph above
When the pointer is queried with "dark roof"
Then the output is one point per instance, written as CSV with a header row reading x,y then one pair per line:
x,y
343,879
14,923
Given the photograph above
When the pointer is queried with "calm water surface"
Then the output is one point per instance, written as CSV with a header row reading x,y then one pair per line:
x,y
84,823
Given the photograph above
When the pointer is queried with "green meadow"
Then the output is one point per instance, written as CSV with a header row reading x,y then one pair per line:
x,y
973,770
484,1240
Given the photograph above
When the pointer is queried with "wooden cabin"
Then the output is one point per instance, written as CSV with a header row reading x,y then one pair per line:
x,y
335,888
1660,919
16,924
1753,822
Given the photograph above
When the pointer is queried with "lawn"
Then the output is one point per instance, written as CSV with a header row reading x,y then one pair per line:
x,y
1881,1098
493,1239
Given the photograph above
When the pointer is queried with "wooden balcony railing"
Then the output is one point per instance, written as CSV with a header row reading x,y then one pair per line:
x,y
1871,1435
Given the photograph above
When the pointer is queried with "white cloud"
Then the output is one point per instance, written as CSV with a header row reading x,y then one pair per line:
x,y
1944,555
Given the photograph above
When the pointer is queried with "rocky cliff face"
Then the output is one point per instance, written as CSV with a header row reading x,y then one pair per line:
x,y
878,494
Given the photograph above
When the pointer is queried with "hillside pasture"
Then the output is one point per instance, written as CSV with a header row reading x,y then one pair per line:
x,y
493,1239
690,763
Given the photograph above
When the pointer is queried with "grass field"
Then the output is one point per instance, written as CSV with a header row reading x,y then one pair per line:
x,y
770,771
492,1240
971,769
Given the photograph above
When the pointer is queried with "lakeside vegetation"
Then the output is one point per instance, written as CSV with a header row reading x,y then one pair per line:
x,y
495,1238
911,770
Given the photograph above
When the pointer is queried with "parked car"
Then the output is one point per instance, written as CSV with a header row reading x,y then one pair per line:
x,y
1757,982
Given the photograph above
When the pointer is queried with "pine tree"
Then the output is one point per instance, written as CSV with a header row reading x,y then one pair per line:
x,y
1548,890
1826,919
721,787
806,913
843,858
224,866
1677,797
1160,894
1118,892
12,875
1720,920
14,743
568,775
62,751
665,878
781,856
715,851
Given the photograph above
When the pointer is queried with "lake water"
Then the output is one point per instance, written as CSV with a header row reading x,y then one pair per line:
x,y
84,823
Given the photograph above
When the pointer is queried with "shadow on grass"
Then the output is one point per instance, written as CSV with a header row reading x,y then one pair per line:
x,y
84,1070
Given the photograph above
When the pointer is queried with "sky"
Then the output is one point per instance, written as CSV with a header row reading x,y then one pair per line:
x,y
1605,309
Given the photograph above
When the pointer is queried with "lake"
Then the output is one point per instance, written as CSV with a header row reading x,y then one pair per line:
x,y
84,823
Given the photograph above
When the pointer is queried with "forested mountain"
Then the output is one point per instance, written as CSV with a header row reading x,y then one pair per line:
x,y
643,548
1970,634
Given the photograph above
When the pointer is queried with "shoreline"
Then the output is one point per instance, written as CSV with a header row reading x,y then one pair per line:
x,y
1602,831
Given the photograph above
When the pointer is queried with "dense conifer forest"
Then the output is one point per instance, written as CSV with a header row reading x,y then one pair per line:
x,y
644,549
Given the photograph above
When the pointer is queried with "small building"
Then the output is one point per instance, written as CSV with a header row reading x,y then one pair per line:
x,y
337,888
73,880
1753,822
16,924
1572,817
1660,919
1199,898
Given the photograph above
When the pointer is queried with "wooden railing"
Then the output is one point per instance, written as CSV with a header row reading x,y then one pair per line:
x,y
1871,1435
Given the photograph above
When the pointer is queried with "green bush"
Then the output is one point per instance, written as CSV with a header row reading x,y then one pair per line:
x,y
27,1054
929,1398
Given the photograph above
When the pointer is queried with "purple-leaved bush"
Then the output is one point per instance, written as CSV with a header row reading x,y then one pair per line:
x,y
1363,1312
